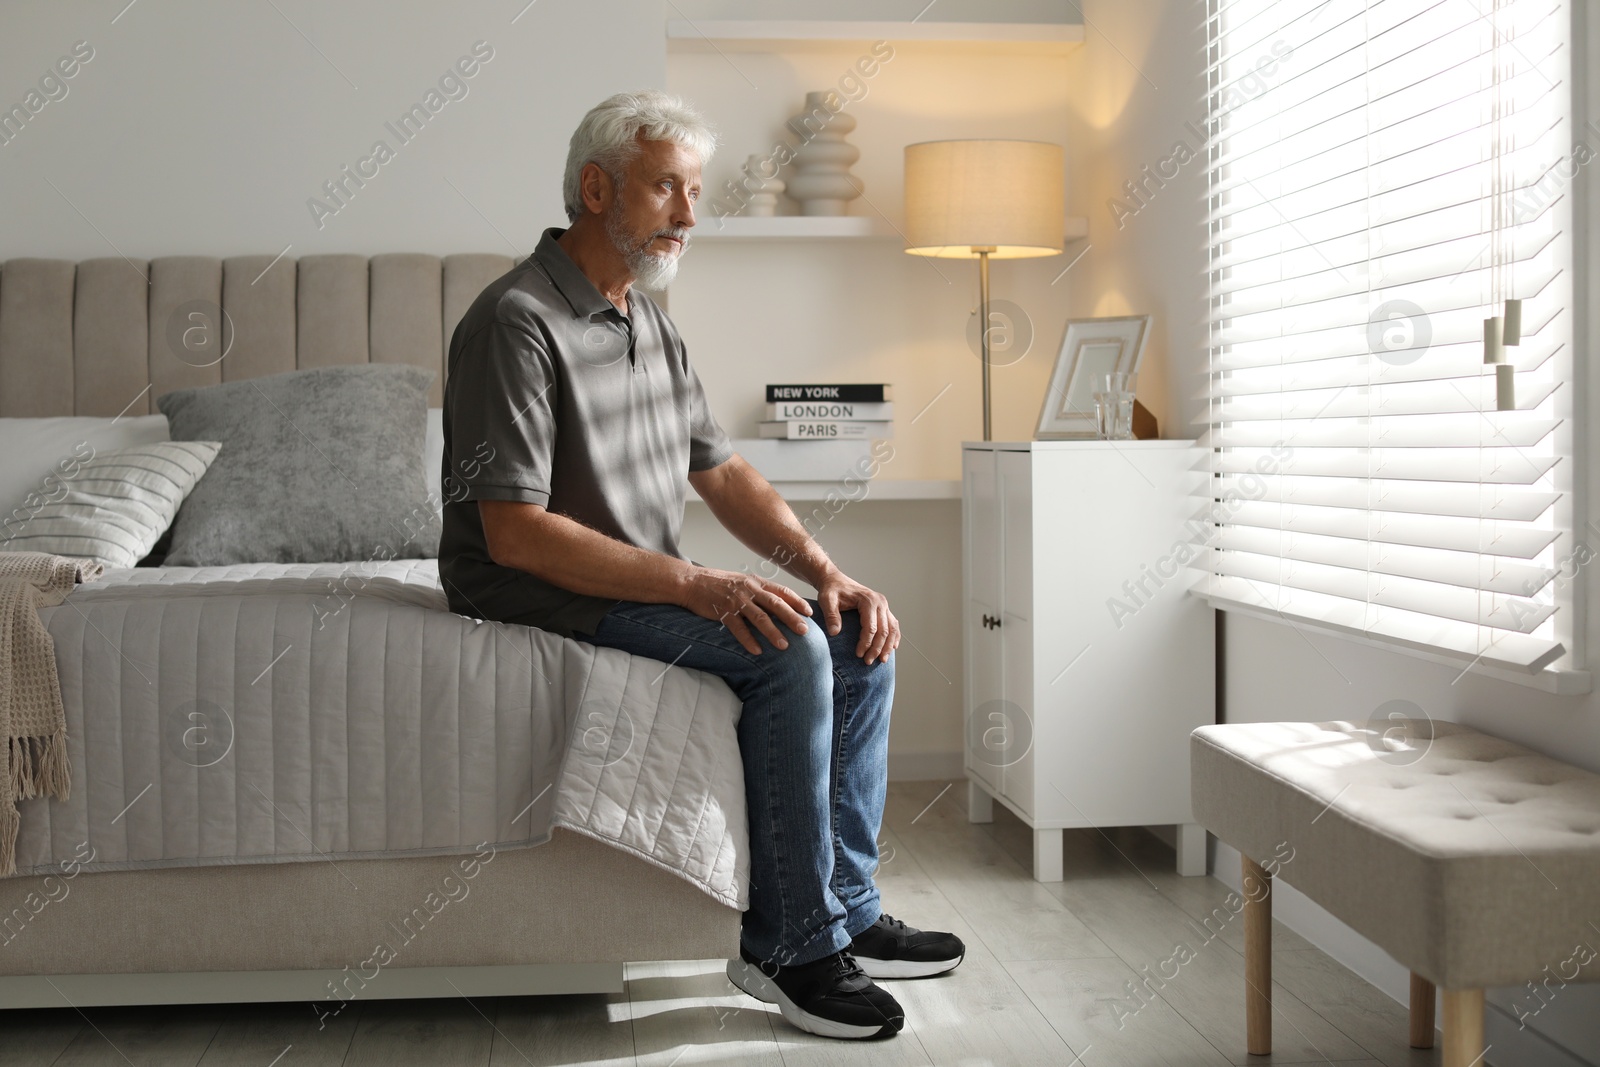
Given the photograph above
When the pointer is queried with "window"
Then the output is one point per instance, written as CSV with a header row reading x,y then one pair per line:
x,y
1382,178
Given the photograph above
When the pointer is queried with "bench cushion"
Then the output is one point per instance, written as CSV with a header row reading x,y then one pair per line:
x,y
1471,860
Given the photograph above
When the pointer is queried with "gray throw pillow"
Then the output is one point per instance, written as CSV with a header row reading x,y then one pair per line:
x,y
115,506
316,466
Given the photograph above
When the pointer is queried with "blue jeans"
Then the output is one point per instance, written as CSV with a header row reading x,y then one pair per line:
x,y
814,737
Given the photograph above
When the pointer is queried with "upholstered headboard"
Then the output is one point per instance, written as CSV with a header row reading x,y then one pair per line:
x,y
106,335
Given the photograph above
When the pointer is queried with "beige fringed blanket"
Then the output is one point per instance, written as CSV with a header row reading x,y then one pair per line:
x,y
33,723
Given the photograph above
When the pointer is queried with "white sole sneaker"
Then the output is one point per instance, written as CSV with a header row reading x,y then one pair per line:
x,y
748,977
906,968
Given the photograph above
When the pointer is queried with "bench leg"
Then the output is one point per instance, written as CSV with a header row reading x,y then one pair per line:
x,y
1421,1011
1463,1027
1257,958
980,805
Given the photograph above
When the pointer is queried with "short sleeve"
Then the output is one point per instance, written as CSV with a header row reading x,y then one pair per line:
x,y
500,400
708,444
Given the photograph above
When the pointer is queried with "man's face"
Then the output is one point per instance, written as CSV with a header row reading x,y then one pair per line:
x,y
650,217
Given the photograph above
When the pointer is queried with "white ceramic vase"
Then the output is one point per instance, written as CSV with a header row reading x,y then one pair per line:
x,y
821,183
763,192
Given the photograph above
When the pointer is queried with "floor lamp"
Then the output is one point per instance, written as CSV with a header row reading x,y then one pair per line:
x,y
985,200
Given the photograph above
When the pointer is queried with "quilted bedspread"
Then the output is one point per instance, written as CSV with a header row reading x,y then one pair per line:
x,y
262,713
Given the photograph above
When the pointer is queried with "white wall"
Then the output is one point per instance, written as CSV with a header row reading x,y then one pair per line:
x,y
204,128
1135,85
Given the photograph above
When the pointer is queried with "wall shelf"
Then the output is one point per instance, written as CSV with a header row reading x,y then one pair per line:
x,y
787,35
817,227
789,227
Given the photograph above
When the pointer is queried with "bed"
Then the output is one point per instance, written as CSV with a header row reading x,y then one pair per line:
x,y
313,781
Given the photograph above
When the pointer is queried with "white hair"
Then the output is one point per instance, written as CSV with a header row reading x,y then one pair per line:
x,y
606,137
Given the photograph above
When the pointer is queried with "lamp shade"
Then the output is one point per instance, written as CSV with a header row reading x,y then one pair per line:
x,y
1006,197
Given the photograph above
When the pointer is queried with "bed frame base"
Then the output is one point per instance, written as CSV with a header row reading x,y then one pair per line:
x,y
231,987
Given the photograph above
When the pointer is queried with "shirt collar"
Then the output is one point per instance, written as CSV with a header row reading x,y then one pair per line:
x,y
575,286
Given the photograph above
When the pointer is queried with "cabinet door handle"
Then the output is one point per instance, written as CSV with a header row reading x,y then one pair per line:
x,y
997,622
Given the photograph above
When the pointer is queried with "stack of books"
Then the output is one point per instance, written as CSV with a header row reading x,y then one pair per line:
x,y
848,411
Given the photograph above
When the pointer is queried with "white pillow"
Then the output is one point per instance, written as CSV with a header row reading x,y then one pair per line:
x,y
116,506
54,448
433,452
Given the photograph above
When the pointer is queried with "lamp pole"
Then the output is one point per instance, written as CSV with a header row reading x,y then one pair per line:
x,y
983,326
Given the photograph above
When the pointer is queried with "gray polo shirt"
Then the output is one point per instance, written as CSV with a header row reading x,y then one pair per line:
x,y
554,397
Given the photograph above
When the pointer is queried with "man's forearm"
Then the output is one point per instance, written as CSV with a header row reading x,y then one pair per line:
x,y
754,512
570,555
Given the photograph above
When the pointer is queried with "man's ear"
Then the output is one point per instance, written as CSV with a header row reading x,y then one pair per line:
x,y
596,187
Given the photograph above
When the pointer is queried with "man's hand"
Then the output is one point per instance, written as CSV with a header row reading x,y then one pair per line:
x,y
880,630
752,510
739,601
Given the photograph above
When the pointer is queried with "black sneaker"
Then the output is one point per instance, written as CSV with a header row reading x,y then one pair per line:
x,y
830,997
891,949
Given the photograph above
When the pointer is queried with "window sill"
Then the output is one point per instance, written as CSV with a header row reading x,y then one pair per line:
x,y
1549,680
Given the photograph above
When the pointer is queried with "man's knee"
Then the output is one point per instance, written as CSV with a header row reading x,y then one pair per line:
x,y
861,675
856,668
806,659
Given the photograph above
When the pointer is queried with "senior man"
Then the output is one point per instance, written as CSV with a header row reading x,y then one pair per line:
x,y
580,387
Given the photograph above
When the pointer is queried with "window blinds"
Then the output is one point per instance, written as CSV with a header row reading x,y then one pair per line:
x,y
1382,176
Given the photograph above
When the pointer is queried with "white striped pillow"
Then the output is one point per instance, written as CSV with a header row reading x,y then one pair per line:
x,y
117,505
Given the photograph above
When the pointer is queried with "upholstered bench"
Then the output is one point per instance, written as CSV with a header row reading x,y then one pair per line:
x,y
1471,860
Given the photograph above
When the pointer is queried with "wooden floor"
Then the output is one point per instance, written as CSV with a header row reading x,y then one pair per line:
x,y
1123,963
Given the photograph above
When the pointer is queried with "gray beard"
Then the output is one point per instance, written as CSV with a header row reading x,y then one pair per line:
x,y
650,271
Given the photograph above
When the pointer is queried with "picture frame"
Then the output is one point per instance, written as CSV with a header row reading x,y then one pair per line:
x,y
1089,348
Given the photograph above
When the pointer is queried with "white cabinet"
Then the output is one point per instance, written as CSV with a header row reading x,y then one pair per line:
x,y
1087,665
